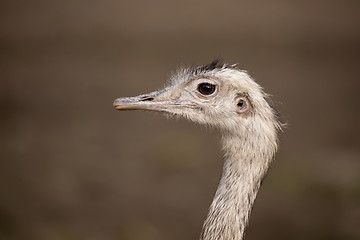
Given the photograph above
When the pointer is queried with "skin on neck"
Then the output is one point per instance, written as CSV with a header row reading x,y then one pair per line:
x,y
245,165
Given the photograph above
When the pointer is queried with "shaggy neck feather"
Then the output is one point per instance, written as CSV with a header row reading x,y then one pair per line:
x,y
245,165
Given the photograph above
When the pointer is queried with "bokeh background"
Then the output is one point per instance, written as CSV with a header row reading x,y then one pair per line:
x,y
73,168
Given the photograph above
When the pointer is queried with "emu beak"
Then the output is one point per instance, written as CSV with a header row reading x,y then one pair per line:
x,y
156,101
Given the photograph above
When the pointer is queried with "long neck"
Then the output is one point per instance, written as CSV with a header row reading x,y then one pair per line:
x,y
244,168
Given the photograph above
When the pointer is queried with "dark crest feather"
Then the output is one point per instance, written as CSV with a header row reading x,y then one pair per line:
x,y
215,64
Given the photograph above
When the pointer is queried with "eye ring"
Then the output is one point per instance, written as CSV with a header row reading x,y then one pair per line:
x,y
206,88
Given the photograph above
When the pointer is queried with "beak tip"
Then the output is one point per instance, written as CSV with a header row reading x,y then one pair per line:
x,y
116,104
125,104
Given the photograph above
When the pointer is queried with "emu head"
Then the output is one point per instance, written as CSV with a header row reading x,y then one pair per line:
x,y
218,95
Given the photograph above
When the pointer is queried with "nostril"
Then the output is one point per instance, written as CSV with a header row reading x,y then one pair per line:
x,y
146,99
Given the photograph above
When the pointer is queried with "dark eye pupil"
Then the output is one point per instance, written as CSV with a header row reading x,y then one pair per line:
x,y
206,88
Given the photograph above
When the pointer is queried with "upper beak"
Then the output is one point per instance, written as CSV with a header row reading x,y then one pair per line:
x,y
158,101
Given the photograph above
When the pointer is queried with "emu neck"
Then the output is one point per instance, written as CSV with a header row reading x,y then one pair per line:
x,y
245,165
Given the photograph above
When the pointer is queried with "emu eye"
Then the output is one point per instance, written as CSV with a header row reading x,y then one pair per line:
x,y
206,88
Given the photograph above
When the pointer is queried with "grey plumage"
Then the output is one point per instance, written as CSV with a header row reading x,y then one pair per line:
x,y
228,99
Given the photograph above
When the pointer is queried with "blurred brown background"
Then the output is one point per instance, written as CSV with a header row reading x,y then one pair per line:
x,y
73,168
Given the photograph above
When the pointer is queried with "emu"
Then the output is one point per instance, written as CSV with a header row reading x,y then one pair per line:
x,y
225,98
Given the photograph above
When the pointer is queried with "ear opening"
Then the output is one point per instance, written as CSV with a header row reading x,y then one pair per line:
x,y
243,103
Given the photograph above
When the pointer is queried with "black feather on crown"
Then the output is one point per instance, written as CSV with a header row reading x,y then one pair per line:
x,y
215,64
